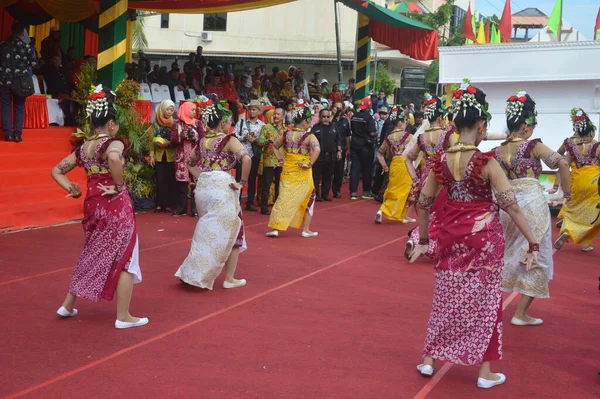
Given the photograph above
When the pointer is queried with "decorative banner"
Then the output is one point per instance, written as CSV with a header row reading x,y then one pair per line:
x,y
112,42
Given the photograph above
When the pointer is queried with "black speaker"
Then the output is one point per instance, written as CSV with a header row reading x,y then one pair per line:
x,y
413,77
406,95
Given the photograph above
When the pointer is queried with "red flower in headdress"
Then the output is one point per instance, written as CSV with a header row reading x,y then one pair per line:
x,y
471,90
512,98
97,96
458,94
523,99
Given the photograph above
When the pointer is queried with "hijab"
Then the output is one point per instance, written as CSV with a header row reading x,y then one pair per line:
x,y
269,116
185,112
161,118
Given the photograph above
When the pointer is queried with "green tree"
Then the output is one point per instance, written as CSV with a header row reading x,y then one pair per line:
x,y
383,80
139,40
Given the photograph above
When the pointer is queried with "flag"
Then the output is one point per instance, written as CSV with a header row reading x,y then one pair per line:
x,y
494,36
487,31
468,31
481,33
505,26
597,27
555,18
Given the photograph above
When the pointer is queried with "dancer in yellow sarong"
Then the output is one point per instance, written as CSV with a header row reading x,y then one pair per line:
x,y
296,188
581,223
395,199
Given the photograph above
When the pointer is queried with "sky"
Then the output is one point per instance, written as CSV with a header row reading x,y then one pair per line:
x,y
581,14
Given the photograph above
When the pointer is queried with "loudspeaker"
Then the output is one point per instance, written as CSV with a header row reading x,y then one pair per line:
x,y
407,96
413,77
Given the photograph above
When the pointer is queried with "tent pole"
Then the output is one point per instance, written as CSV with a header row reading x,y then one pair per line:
x,y
337,41
363,57
112,42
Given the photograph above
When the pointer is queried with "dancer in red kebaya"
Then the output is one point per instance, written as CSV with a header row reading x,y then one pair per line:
x,y
109,261
465,325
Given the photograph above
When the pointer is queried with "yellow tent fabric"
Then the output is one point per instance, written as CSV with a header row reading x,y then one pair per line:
x,y
481,33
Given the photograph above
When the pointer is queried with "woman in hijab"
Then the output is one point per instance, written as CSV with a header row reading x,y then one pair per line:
x,y
185,134
162,157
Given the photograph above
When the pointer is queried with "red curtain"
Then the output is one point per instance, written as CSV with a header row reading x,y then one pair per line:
x,y
417,44
6,22
91,43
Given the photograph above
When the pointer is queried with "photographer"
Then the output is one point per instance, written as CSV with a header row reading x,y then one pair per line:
x,y
361,151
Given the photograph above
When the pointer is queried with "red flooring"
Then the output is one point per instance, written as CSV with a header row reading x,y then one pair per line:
x,y
339,316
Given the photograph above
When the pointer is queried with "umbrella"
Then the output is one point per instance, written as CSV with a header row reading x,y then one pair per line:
x,y
406,7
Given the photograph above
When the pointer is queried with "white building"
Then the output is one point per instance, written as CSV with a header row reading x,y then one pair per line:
x,y
298,33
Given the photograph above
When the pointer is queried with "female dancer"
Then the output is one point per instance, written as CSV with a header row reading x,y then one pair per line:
x,y
520,159
109,261
434,140
185,135
395,199
219,235
580,222
296,199
162,157
465,325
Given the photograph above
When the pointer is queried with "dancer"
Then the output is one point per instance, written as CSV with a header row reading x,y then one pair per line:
x,y
109,261
465,325
296,199
185,135
271,172
219,235
520,159
580,222
395,199
434,140
162,158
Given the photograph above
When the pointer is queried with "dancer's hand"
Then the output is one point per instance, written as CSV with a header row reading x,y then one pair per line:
x,y
74,191
417,252
236,186
552,191
384,169
279,163
304,165
530,260
107,190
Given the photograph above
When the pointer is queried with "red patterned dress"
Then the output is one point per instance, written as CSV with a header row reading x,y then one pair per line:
x,y
465,325
111,244
435,213
186,138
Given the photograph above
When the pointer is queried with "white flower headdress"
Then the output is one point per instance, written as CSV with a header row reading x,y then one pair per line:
x,y
97,102
300,109
515,105
463,97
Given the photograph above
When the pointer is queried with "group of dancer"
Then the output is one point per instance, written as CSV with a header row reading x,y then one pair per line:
x,y
109,261
482,216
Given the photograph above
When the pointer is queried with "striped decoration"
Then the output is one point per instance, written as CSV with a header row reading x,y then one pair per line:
x,y
363,58
112,43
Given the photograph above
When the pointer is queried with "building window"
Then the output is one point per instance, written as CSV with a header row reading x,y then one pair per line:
x,y
458,15
215,22
164,21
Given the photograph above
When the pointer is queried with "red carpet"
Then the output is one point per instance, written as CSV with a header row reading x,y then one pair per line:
x,y
339,316
29,197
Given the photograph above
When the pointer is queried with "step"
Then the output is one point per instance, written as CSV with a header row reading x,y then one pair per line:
x,y
51,132
36,146
29,161
41,214
34,194
35,177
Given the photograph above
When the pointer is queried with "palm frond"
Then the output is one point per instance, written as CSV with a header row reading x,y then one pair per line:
x,y
140,42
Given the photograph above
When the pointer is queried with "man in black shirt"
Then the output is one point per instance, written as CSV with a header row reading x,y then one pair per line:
x,y
331,150
361,151
343,127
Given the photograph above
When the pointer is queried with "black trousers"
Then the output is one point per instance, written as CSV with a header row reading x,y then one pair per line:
x,y
251,179
166,186
380,180
322,172
183,197
361,161
269,174
338,173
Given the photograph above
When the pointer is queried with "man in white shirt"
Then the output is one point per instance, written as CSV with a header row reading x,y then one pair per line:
x,y
247,131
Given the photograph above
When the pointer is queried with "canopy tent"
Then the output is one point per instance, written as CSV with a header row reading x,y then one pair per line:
x,y
410,37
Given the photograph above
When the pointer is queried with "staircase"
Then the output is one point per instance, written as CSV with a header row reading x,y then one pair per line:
x,y
29,197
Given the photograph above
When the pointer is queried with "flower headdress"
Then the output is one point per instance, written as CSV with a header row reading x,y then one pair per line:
x,y
581,120
209,109
515,105
300,109
463,97
430,106
97,102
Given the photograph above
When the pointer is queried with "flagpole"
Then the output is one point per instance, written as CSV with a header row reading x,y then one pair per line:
x,y
560,23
